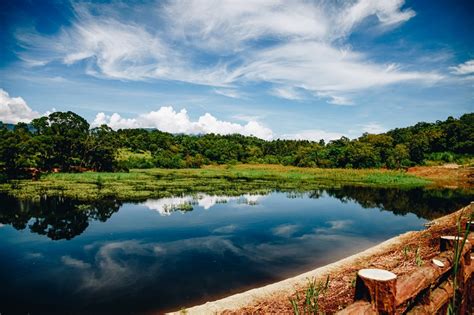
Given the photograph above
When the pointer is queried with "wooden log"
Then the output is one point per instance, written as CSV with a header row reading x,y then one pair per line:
x,y
379,287
448,242
470,291
411,285
467,292
467,258
436,301
470,238
359,307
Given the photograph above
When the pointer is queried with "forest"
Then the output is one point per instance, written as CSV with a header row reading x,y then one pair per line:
x,y
65,142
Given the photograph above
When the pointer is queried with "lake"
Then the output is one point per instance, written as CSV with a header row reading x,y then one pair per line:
x,y
64,256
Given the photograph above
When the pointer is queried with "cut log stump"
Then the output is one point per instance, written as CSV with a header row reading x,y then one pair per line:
x,y
377,286
448,242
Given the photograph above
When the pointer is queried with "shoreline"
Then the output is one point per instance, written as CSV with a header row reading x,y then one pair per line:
x,y
285,288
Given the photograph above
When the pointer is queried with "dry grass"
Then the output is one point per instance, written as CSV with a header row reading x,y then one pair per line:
x,y
451,176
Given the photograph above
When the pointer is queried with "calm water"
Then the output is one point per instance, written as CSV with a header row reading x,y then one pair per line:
x,y
61,256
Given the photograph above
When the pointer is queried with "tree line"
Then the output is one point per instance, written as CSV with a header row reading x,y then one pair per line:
x,y
64,141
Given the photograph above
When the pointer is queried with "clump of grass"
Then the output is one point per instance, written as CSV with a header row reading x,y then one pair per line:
x,y
418,259
406,250
310,304
100,182
458,249
354,281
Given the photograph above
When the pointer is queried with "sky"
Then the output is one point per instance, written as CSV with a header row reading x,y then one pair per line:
x,y
273,69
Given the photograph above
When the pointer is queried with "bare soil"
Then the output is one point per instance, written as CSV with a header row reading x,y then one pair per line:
x,y
448,175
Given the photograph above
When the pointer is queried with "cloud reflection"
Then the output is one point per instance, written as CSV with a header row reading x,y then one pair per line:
x,y
285,230
136,264
165,206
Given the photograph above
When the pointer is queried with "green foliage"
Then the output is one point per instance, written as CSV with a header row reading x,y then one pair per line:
x,y
418,259
60,140
310,300
233,180
65,141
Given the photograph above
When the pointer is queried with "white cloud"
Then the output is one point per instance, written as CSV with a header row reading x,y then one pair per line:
x,y
232,93
388,13
288,93
114,121
228,26
304,45
313,135
335,99
169,120
374,128
332,72
15,109
463,68
340,100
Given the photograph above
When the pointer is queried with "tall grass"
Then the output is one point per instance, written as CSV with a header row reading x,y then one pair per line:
x,y
310,300
457,255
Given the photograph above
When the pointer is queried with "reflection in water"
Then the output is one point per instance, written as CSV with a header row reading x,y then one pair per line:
x,y
425,203
165,206
61,218
158,255
56,217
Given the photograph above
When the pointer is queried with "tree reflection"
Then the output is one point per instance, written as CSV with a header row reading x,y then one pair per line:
x,y
56,217
425,203
61,218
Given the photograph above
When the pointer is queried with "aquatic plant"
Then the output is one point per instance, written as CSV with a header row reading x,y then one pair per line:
x,y
154,183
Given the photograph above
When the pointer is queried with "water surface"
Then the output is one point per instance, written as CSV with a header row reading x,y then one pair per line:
x,y
63,256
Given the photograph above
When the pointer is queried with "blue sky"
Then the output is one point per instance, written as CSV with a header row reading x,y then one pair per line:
x,y
274,69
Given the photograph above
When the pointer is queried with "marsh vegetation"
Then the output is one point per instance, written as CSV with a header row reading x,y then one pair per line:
x,y
233,180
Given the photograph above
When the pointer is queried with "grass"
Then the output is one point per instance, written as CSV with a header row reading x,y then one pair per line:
x,y
309,304
418,259
124,155
140,184
457,253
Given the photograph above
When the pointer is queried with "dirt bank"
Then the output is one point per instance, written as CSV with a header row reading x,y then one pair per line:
x,y
400,255
448,175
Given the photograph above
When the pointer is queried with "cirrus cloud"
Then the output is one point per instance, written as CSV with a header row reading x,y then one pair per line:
x,y
228,44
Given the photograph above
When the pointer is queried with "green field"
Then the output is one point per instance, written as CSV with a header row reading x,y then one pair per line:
x,y
140,184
